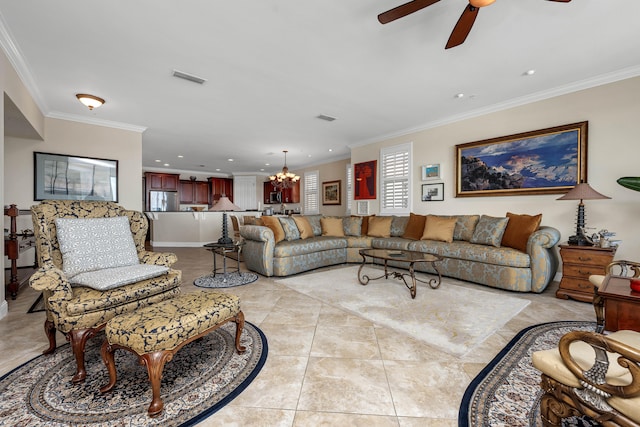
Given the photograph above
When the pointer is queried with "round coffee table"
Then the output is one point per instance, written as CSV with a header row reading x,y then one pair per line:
x,y
401,256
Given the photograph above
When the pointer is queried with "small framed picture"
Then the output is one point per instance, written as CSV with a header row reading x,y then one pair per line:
x,y
362,207
331,193
433,192
430,172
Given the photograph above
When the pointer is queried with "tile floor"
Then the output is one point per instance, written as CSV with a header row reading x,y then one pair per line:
x,y
325,367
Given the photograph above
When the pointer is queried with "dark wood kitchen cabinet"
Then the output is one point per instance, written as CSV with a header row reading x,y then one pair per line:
x,y
286,195
194,192
161,181
220,187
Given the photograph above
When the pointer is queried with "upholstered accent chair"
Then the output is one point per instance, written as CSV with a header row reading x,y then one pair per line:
x,y
616,268
591,374
80,311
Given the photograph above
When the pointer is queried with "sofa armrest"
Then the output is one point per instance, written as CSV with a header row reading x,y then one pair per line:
x,y
158,258
544,263
257,251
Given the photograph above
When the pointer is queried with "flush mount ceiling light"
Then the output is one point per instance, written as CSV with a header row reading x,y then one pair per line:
x,y
90,101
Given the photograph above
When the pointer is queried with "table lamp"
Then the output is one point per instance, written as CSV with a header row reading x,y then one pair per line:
x,y
581,192
224,205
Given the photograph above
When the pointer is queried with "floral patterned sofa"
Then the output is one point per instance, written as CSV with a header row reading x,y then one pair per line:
x,y
528,269
80,312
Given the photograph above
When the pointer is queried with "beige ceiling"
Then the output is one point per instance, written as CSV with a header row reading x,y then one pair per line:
x,y
272,66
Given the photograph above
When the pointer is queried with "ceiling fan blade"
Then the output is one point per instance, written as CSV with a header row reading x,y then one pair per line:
x,y
404,10
463,26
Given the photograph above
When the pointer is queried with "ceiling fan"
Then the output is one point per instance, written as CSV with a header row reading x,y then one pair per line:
x,y
462,28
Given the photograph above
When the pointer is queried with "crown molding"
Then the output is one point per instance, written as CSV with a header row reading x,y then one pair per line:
x,y
96,122
20,65
623,74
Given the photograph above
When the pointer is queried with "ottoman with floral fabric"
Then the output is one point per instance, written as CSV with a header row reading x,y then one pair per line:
x,y
155,333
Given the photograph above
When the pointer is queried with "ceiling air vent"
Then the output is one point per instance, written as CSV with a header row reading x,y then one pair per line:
x,y
324,117
188,76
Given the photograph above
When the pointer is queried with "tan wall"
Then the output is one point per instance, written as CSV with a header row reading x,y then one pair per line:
x,y
78,139
612,111
334,171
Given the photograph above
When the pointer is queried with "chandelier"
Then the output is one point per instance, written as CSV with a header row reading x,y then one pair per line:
x,y
284,179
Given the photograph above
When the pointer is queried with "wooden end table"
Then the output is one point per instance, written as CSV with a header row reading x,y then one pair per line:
x,y
621,304
578,263
408,257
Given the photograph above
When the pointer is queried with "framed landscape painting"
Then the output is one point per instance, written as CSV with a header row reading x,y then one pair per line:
x,y
545,161
64,177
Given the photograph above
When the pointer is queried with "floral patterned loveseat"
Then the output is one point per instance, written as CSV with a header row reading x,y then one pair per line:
x,y
80,312
528,270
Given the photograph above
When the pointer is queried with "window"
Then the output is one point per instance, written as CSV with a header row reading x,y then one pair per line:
x,y
349,188
395,179
311,193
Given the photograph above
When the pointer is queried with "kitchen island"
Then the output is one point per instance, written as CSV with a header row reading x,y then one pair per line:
x,y
187,229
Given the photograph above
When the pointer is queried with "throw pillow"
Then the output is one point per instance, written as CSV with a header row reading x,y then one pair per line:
x,y
398,225
415,227
379,226
290,228
304,227
314,220
364,228
89,244
274,224
439,228
352,225
332,227
465,226
110,278
489,230
518,230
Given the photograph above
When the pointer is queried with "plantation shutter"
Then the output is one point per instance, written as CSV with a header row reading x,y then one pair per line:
x,y
311,193
396,179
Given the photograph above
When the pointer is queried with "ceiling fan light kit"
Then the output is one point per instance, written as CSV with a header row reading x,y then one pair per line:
x,y
463,26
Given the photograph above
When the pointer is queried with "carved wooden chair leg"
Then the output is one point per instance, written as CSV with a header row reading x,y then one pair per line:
x,y
107,356
239,319
50,331
598,306
547,414
155,364
78,338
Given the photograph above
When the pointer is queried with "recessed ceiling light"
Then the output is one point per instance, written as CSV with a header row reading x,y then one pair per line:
x,y
166,164
330,149
267,164
459,95
309,155
217,169
180,156
229,160
529,72
262,170
158,161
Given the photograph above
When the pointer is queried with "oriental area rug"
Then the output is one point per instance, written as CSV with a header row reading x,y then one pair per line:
x,y
225,280
507,391
452,318
203,376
